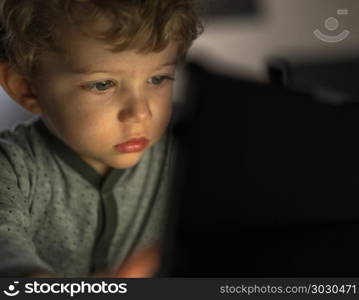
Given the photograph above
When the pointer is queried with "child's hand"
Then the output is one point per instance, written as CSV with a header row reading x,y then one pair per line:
x,y
143,263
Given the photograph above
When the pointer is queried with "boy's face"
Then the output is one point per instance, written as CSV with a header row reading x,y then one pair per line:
x,y
94,99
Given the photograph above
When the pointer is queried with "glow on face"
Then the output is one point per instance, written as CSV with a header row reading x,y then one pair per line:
x,y
94,99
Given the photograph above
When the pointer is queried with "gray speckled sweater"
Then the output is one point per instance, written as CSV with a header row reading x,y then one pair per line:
x,y
59,216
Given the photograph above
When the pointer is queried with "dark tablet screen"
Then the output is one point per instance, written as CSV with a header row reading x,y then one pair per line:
x,y
266,183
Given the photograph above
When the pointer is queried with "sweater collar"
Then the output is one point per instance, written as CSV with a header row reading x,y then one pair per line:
x,y
74,161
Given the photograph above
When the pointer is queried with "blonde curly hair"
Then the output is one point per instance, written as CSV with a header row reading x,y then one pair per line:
x,y
31,27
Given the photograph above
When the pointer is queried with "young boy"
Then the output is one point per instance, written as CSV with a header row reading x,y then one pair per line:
x,y
84,185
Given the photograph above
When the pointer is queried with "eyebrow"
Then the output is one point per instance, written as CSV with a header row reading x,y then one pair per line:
x,y
87,70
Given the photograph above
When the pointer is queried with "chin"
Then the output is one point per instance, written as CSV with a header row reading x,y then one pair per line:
x,y
128,161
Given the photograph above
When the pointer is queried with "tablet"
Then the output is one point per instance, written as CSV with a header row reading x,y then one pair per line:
x,y
265,183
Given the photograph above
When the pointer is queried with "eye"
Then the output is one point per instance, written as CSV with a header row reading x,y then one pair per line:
x,y
100,86
158,80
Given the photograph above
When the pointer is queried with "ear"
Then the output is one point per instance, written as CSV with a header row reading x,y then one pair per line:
x,y
19,88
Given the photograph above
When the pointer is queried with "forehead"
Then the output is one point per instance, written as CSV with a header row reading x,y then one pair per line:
x,y
81,53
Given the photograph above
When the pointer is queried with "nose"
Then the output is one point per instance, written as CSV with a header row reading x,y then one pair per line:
x,y
136,109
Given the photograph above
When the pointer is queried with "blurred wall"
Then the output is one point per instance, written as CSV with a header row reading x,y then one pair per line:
x,y
242,45
282,28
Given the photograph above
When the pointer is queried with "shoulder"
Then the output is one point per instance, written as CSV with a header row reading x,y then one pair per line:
x,y
21,141
21,151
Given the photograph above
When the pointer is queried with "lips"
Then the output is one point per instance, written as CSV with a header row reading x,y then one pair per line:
x,y
133,145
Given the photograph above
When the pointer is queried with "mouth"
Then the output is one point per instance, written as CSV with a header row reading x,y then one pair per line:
x,y
133,145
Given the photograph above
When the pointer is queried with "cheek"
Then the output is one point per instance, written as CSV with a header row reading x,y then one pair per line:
x,y
84,133
74,118
66,105
79,123
162,114
167,113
